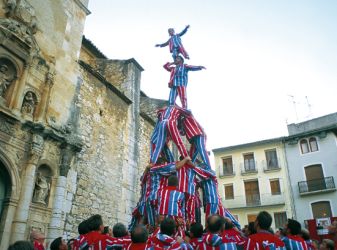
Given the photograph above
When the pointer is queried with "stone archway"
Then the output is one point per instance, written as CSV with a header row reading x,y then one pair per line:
x,y
5,195
9,182
5,186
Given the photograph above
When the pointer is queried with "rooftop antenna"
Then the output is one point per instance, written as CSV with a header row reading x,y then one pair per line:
x,y
294,103
309,107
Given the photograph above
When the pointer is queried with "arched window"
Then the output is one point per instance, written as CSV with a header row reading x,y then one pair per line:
x,y
304,146
313,144
321,209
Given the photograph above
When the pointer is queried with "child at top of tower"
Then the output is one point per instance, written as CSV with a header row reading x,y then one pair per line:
x,y
175,44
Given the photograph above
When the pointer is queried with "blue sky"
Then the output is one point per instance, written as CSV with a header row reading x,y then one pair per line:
x,y
257,54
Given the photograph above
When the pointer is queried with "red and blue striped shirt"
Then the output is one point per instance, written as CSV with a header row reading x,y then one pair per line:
x,y
210,190
174,41
216,242
172,202
189,177
158,179
191,126
179,73
97,241
264,240
294,242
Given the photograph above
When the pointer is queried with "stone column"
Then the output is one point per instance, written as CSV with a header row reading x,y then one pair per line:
x,y
56,225
27,188
55,228
15,103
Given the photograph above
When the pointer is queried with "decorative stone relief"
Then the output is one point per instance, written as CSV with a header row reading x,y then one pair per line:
x,y
10,7
50,78
5,79
20,30
36,148
67,156
6,126
22,11
29,104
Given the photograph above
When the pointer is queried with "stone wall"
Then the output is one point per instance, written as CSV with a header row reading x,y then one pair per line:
x,y
103,122
116,145
71,119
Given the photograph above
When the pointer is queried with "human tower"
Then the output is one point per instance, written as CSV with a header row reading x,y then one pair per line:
x,y
182,201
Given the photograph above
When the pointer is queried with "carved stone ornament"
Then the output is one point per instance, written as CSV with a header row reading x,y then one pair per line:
x,y
50,78
37,140
20,30
22,11
42,187
6,127
29,104
36,148
9,7
67,156
5,79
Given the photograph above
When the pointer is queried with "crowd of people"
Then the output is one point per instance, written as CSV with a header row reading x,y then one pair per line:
x,y
219,233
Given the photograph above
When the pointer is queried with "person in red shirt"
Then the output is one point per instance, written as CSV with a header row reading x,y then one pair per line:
x,y
196,232
139,236
213,239
119,232
164,239
80,240
38,240
232,233
172,203
58,244
263,239
95,240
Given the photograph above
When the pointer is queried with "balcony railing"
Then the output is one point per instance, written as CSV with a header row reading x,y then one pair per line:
x,y
223,173
250,168
255,200
275,166
317,185
226,172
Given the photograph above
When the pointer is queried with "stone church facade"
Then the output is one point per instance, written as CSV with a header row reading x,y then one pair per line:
x,y
74,125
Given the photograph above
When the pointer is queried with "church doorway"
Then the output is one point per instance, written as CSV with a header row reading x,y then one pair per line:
x,y
5,185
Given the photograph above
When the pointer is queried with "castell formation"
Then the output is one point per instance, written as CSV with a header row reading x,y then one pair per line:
x,y
194,186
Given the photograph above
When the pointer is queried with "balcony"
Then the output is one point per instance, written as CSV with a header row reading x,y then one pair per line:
x,y
226,172
258,200
253,200
248,168
315,186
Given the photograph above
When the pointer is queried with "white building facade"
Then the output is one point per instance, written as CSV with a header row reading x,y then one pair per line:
x,y
253,177
311,152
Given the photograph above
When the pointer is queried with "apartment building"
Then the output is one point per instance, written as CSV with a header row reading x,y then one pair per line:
x,y
253,177
311,152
